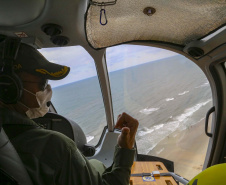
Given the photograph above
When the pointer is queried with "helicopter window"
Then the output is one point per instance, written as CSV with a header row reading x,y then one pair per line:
x,y
78,96
169,95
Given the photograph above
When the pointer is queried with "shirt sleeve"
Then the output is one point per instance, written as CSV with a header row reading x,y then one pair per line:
x,y
119,172
77,170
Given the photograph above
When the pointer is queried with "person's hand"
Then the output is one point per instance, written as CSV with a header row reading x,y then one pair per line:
x,y
129,126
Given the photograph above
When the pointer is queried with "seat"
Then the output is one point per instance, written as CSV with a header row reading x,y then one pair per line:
x,y
212,175
12,170
56,122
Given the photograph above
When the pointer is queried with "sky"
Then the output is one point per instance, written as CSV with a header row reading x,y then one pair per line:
x,y
118,57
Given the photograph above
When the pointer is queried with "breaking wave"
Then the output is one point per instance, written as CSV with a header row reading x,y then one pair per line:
x,y
152,136
148,131
203,85
185,92
148,110
190,111
169,99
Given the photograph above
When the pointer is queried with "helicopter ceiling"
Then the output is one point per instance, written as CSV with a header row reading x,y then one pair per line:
x,y
177,22
26,19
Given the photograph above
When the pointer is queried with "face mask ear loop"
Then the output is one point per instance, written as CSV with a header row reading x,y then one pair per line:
x,y
23,104
29,92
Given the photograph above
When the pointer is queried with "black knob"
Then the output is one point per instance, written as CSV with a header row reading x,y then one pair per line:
x,y
52,29
195,52
59,40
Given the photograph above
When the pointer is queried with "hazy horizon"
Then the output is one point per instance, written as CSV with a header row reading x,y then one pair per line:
x,y
82,65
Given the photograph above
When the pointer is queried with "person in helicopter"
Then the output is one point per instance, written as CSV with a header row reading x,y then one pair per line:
x,y
48,156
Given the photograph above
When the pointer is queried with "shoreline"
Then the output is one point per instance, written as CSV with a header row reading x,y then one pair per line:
x,y
186,148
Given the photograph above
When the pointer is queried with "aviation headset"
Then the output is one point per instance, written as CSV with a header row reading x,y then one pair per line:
x,y
10,84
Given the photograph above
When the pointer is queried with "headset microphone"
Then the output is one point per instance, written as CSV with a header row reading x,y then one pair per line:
x,y
48,103
10,84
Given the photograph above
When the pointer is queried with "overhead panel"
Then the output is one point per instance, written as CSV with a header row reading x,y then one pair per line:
x,y
172,21
17,13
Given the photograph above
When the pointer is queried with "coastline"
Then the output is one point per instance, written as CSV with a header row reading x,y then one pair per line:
x,y
187,148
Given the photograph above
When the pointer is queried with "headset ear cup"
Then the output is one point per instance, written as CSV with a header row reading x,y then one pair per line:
x,y
10,88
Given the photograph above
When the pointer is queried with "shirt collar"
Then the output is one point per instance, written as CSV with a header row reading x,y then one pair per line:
x,y
13,117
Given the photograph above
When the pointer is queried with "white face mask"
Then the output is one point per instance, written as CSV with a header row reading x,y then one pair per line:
x,y
42,98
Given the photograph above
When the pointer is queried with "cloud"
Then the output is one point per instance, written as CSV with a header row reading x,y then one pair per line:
x,y
124,56
118,57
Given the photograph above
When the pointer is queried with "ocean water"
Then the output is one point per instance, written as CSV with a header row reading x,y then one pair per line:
x,y
165,96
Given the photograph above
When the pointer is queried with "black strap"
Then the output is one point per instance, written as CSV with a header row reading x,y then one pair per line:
x,y
141,174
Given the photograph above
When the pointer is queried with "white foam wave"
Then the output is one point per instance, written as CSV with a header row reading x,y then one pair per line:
x,y
150,137
169,99
148,131
203,85
89,138
156,127
148,110
158,152
157,133
185,92
190,111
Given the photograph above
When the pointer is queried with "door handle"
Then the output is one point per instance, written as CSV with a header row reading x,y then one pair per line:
x,y
207,121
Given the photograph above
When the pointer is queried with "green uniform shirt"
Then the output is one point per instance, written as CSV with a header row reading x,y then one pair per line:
x,y
52,158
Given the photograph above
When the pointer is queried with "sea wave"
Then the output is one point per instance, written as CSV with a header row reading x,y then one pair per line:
x,y
148,131
203,85
148,138
158,152
148,110
185,92
89,138
190,111
169,99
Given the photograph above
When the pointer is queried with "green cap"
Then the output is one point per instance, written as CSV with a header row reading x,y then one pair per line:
x,y
32,61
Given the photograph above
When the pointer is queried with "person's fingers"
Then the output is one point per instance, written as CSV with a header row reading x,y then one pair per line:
x,y
120,122
124,137
125,120
119,116
125,131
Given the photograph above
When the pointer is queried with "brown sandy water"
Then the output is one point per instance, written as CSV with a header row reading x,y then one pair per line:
x,y
186,148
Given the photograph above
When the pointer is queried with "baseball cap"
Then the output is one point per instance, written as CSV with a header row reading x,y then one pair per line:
x,y
32,61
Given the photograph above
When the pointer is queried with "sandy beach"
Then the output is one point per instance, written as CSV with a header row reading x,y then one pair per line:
x,y
186,148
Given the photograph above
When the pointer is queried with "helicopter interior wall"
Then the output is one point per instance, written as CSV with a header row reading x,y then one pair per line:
x,y
219,137
35,14
26,11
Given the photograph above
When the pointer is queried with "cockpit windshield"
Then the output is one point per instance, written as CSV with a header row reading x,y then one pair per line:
x,y
169,95
78,96
165,91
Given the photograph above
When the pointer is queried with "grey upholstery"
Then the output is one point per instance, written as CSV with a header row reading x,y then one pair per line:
x,y
10,162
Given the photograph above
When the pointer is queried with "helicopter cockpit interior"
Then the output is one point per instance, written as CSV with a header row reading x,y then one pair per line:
x,y
163,62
